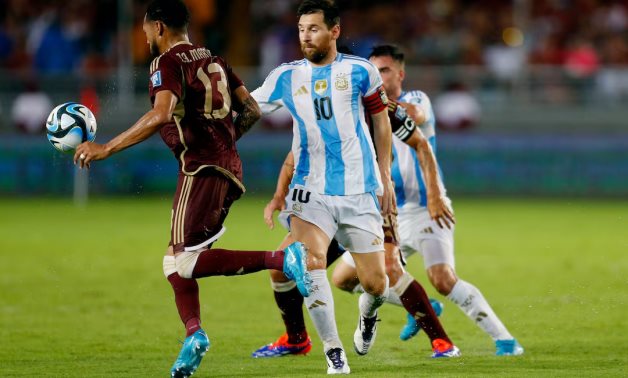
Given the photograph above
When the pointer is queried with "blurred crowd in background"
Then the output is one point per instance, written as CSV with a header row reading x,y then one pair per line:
x,y
586,39
83,36
63,36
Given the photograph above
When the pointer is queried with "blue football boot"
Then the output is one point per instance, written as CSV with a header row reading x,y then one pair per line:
x,y
508,348
412,328
295,267
194,348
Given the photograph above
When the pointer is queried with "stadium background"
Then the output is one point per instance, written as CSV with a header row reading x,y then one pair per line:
x,y
539,181
539,87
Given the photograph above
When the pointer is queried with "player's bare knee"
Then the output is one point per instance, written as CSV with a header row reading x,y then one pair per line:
x,y
277,276
443,278
340,282
343,282
316,264
375,285
442,286
316,260
394,271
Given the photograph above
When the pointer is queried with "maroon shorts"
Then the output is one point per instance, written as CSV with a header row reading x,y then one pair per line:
x,y
391,235
201,204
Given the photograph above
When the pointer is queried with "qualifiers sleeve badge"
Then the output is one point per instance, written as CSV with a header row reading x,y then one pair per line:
x,y
155,79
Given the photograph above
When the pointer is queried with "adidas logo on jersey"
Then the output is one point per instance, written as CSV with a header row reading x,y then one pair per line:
x,y
427,230
301,91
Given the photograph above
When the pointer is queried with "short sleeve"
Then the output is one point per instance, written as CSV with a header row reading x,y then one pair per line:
x,y
374,80
269,95
371,87
165,74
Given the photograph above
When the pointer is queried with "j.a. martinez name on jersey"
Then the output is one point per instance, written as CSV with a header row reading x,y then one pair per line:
x,y
194,55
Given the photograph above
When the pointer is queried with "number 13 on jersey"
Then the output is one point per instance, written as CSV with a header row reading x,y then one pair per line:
x,y
217,98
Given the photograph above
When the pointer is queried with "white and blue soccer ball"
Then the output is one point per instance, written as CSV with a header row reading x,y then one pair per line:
x,y
69,125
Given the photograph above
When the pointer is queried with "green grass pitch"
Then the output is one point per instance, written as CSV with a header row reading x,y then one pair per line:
x,y
82,294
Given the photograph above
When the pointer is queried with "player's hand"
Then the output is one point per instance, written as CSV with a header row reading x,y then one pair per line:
x,y
440,212
416,113
388,202
276,204
89,151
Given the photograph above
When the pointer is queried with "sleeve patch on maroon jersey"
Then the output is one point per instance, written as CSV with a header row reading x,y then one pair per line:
x,y
155,79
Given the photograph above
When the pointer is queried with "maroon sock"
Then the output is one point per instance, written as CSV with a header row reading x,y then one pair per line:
x,y
416,302
186,299
223,262
192,326
290,304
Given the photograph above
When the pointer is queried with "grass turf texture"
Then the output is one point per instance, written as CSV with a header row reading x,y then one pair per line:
x,y
82,294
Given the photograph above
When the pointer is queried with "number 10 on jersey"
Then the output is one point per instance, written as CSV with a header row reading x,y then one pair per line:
x,y
323,108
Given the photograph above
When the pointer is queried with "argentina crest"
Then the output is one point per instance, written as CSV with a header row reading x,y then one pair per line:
x,y
341,83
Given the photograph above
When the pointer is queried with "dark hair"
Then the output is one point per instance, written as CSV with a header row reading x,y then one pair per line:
x,y
173,13
331,13
392,51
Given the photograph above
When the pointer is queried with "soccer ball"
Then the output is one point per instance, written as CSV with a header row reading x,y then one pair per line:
x,y
69,125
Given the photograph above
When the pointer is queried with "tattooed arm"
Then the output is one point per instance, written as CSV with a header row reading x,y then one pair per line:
x,y
248,111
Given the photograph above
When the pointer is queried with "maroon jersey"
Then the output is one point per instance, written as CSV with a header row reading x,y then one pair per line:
x,y
202,135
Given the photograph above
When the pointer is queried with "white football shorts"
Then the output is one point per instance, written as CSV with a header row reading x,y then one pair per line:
x,y
354,220
419,233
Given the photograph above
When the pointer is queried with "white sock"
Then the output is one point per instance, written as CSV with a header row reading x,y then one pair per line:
x,y
369,303
320,305
472,302
393,297
399,288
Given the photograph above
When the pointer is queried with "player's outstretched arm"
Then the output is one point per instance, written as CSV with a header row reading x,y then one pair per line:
x,y
283,185
147,125
436,205
383,144
248,111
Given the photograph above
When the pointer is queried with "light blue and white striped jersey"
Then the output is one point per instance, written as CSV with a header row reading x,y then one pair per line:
x,y
406,170
332,146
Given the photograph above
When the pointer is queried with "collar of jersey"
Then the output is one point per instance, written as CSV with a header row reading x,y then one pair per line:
x,y
177,44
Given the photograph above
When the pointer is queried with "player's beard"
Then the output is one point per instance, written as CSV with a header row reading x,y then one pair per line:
x,y
315,55
154,50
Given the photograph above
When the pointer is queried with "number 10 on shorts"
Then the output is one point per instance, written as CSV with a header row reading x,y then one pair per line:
x,y
300,195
